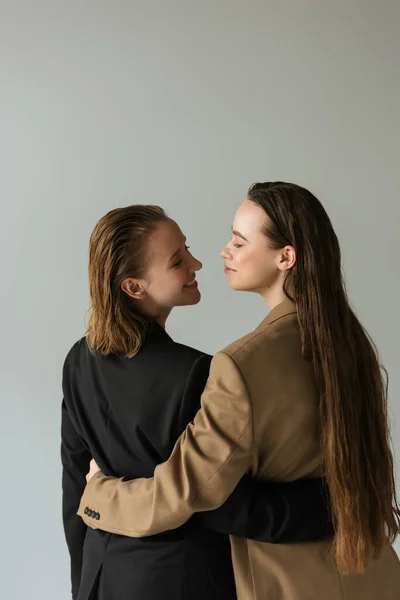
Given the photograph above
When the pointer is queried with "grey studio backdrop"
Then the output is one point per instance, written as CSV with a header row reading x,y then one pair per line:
x,y
183,104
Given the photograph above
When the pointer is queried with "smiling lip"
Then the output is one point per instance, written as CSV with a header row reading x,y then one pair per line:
x,y
192,286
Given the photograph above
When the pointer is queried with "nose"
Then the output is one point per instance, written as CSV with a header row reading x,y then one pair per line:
x,y
226,253
196,265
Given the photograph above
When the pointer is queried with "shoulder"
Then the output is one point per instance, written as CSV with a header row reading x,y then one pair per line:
x,y
178,358
266,339
75,353
187,354
163,351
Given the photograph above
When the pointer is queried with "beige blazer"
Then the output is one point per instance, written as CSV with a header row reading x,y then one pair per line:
x,y
259,411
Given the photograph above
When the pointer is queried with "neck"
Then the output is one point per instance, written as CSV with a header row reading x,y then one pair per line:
x,y
163,316
273,296
153,310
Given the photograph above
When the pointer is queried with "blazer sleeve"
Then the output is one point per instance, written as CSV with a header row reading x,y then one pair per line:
x,y
207,462
267,511
275,512
75,460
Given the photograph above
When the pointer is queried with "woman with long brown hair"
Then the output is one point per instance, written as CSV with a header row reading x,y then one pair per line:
x,y
358,462
302,395
129,392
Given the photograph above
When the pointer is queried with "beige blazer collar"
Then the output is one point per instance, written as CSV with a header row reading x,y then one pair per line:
x,y
287,307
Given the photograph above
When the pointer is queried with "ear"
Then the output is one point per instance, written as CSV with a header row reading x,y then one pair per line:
x,y
287,258
135,288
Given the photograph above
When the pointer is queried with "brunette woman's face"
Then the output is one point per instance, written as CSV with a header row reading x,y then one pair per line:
x,y
170,275
250,264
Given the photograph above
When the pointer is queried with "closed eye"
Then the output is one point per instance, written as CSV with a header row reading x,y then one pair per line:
x,y
179,262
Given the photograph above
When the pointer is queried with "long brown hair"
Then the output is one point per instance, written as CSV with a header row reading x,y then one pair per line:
x,y
358,463
117,250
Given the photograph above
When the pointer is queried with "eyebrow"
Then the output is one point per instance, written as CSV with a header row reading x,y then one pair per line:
x,y
238,234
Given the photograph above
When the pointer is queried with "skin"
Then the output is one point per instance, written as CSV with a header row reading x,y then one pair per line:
x,y
170,277
250,265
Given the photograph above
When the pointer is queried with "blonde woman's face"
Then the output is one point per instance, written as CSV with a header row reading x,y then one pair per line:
x,y
170,277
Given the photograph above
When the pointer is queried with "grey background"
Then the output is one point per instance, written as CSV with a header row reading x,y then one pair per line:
x,y
185,104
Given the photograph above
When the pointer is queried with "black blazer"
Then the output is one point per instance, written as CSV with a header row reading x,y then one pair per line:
x,y
128,414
